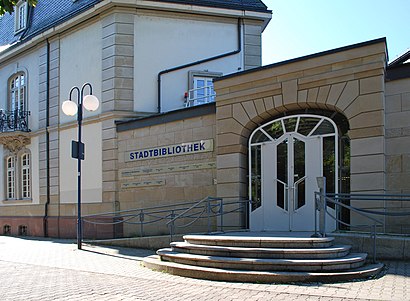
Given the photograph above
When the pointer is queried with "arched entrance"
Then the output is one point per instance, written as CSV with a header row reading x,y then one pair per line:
x,y
286,156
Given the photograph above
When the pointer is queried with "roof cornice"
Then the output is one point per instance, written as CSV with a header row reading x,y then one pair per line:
x,y
308,57
193,9
105,5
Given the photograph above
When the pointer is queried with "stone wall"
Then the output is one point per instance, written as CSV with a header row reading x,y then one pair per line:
x,y
348,80
252,43
398,149
169,180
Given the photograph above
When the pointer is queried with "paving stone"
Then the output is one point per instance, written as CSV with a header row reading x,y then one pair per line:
x,y
39,269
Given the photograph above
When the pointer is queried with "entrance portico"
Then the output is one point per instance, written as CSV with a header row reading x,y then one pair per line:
x,y
343,88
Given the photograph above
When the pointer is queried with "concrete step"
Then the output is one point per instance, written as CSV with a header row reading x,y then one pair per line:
x,y
222,274
350,261
259,241
288,253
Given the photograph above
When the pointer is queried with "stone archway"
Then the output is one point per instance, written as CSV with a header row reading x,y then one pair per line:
x,y
348,80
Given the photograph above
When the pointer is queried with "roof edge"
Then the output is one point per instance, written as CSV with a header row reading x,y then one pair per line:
x,y
160,118
401,59
306,57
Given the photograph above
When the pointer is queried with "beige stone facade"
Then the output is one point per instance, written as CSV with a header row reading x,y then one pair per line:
x,y
397,136
165,181
349,82
398,149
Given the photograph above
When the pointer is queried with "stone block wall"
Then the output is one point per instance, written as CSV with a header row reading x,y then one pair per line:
x,y
348,80
252,43
118,62
398,150
168,180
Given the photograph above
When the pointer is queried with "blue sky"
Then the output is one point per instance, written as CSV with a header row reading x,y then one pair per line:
x,y
302,27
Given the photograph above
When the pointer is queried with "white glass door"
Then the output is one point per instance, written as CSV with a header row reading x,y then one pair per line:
x,y
286,157
290,182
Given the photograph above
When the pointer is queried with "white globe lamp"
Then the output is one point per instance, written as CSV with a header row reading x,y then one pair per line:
x,y
90,103
69,108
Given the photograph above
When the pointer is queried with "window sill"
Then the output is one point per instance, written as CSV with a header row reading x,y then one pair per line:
x,y
17,202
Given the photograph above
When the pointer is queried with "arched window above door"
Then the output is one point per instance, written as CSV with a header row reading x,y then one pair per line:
x,y
305,125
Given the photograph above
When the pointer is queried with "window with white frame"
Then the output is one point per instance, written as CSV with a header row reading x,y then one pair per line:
x,y
11,177
18,176
20,16
201,88
17,90
25,176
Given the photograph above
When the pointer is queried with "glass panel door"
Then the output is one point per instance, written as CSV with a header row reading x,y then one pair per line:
x,y
299,173
282,175
286,157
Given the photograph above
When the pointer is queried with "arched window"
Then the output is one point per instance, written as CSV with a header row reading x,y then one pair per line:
x,y
17,92
23,230
6,230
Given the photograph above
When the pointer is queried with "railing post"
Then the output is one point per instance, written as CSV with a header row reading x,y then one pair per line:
x,y
317,201
374,243
208,201
142,223
324,202
321,183
221,212
172,226
338,213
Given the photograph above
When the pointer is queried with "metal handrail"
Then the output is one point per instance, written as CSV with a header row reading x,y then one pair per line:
x,y
325,199
168,214
140,208
190,208
351,208
210,213
337,198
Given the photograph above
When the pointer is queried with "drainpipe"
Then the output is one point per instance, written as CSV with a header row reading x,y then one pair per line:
x,y
45,224
239,49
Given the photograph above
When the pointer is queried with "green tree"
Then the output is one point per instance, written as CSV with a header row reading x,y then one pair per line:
x,y
7,6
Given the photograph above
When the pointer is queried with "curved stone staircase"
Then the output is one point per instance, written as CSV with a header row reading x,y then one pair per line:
x,y
262,258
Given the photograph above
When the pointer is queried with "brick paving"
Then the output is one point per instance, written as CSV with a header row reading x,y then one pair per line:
x,y
37,269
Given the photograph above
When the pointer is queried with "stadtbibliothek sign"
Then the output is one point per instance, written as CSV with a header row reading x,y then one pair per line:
x,y
188,148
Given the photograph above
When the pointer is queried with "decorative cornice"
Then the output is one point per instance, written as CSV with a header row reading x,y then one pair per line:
x,y
15,141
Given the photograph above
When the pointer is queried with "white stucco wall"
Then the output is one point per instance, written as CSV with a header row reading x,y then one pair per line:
x,y
80,62
91,167
166,42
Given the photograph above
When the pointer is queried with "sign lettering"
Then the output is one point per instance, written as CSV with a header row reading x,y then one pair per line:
x,y
171,150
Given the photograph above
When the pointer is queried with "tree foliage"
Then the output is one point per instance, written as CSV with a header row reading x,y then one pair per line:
x,y
7,6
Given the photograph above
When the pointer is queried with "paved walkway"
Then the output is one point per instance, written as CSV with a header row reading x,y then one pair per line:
x,y
32,269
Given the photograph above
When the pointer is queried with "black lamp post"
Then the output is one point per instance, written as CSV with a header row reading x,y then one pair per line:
x,y
90,103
